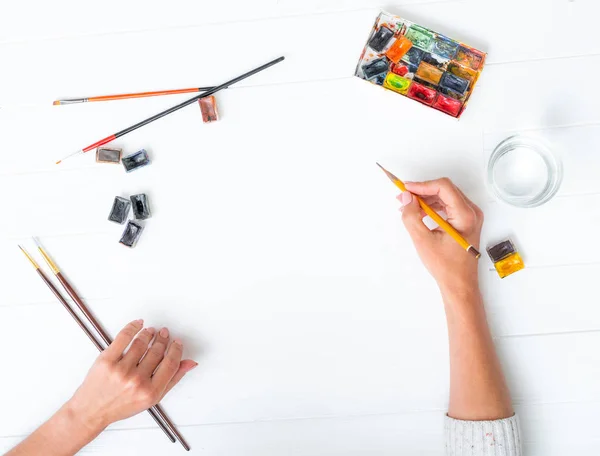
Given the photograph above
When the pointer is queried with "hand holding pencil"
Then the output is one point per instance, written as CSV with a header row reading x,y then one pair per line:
x,y
442,255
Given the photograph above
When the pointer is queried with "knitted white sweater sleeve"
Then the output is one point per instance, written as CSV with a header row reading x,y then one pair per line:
x,y
483,438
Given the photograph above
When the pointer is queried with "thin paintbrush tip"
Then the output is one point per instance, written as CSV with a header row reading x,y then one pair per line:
x,y
31,260
70,155
39,246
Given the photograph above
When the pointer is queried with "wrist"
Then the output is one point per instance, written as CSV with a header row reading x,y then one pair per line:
x,y
86,423
458,292
463,304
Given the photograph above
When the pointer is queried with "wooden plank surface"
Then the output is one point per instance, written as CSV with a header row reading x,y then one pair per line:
x,y
245,376
276,250
550,430
129,53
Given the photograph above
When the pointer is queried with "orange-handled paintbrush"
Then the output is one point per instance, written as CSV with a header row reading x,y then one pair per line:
x,y
124,96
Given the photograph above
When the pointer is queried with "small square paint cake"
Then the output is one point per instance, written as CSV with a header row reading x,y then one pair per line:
x,y
420,64
108,155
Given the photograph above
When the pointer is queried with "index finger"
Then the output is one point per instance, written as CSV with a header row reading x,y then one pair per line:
x,y
444,188
123,339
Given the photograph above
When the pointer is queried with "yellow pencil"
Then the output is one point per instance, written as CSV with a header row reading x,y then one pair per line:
x,y
436,217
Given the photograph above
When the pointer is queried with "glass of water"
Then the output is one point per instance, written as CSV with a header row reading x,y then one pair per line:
x,y
524,171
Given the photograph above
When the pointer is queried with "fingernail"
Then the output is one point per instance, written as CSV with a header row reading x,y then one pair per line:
x,y
194,366
399,197
178,342
164,332
406,198
151,331
138,322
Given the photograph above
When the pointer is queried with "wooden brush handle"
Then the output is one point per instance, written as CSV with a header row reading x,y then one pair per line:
x,y
88,315
70,310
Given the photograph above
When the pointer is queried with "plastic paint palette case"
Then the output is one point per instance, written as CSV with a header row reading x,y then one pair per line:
x,y
420,64
120,210
108,155
505,257
132,233
135,161
141,209
208,107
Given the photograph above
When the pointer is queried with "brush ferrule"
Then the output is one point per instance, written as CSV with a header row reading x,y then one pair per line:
x,y
29,257
51,263
72,101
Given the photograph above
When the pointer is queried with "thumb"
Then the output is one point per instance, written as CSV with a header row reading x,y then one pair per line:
x,y
411,216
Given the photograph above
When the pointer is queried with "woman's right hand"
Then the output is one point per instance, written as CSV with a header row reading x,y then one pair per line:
x,y
447,261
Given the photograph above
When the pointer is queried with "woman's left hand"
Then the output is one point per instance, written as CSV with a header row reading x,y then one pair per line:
x,y
120,385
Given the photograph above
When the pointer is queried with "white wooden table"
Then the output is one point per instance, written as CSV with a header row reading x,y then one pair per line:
x,y
276,250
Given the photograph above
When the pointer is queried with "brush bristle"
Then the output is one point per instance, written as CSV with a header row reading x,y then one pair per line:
x,y
56,103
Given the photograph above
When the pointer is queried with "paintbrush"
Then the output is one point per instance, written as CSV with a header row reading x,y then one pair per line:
x,y
103,334
173,109
124,96
435,216
152,411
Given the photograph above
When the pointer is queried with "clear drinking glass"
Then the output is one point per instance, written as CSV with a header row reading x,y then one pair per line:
x,y
524,171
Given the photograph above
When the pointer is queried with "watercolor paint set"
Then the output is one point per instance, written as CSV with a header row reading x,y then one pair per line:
x,y
420,64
